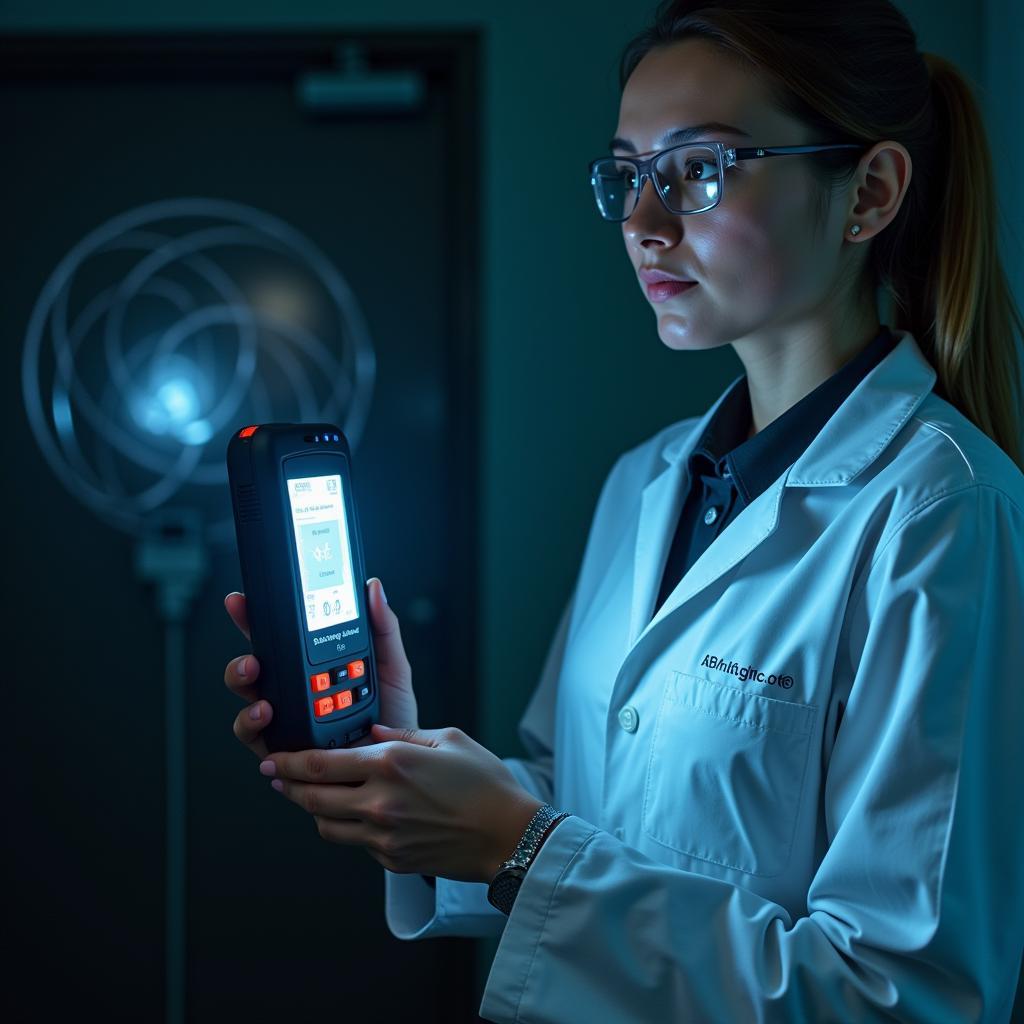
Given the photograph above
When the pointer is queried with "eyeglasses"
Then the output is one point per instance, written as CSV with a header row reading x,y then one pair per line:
x,y
618,181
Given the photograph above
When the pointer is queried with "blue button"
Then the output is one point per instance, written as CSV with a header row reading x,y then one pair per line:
x,y
710,516
628,718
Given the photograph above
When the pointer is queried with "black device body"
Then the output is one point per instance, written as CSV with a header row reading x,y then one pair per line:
x,y
303,574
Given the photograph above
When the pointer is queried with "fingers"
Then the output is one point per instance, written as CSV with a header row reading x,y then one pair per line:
x,y
250,730
246,728
235,605
387,634
240,674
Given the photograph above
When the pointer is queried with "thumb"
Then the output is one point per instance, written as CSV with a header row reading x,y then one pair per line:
x,y
424,737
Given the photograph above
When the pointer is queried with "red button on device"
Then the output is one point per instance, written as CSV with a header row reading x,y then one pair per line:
x,y
323,706
355,669
321,681
342,699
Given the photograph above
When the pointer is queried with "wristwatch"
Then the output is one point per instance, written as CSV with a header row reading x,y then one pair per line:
x,y
504,887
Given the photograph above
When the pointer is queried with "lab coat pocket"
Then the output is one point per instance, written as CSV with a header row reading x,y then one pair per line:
x,y
726,772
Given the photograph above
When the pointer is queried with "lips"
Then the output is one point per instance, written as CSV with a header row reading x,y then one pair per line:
x,y
660,291
649,275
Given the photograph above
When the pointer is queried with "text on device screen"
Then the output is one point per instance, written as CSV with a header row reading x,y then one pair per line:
x,y
322,546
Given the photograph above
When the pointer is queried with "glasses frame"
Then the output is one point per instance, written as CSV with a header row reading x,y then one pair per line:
x,y
727,157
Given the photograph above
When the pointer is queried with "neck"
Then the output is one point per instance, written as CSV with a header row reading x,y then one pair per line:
x,y
782,370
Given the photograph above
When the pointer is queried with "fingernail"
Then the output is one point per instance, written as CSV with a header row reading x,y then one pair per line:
x,y
243,666
268,768
278,785
382,594
254,712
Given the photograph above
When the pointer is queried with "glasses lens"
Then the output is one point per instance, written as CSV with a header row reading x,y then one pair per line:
x,y
690,180
614,184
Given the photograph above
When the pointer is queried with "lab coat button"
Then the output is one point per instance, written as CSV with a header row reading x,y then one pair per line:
x,y
628,718
710,516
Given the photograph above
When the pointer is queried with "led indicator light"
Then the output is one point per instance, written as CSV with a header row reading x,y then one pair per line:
x,y
335,437
248,431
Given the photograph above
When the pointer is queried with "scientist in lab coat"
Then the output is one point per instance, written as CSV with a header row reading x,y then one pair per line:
x,y
784,702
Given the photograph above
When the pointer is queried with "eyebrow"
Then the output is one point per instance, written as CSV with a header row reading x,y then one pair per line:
x,y
682,135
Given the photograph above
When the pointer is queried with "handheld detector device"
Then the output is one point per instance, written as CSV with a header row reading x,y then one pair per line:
x,y
301,557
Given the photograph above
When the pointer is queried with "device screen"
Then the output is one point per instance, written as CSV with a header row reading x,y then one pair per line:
x,y
324,553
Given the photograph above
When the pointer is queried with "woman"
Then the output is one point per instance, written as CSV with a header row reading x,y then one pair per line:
x,y
788,678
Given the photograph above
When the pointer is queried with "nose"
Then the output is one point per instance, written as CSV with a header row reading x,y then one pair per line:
x,y
650,219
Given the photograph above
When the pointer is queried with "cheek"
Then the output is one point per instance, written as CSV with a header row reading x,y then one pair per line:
x,y
758,248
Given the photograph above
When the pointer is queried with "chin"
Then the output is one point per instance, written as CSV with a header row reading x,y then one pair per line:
x,y
676,333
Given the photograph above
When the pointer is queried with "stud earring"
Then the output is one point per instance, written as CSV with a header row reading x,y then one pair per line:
x,y
855,230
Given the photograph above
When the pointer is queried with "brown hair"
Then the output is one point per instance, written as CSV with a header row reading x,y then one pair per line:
x,y
852,72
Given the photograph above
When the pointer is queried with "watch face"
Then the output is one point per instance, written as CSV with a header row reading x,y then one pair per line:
x,y
504,888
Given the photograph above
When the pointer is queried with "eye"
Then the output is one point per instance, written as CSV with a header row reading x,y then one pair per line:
x,y
702,176
621,174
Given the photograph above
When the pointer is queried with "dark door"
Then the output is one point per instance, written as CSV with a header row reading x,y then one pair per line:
x,y
278,923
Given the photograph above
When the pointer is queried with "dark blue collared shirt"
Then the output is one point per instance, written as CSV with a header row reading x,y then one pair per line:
x,y
728,470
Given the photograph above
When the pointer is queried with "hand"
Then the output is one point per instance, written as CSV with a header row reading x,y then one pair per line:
x,y
432,801
394,674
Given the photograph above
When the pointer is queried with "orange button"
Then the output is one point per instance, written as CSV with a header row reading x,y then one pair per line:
x,y
321,681
323,706
342,699
355,669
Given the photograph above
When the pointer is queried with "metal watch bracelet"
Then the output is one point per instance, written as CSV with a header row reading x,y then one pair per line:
x,y
505,884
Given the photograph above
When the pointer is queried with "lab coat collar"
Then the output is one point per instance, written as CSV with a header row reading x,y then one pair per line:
x,y
856,434
858,431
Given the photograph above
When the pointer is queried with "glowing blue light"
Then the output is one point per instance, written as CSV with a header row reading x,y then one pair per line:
x,y
179,398
172,403
335,437
197,432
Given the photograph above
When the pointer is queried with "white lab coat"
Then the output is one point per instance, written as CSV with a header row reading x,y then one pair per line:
x,y
796,790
